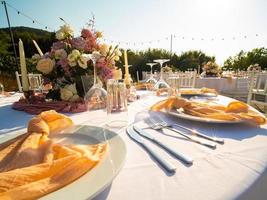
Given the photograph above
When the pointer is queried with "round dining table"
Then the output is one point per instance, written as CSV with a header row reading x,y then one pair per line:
x,y
220,84
236,169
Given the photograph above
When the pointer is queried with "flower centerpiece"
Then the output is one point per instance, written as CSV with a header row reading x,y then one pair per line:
x,y
255,67
211,69
166,69
70,58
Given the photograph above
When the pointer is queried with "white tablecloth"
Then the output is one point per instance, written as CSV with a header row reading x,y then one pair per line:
x,y
235,170
220,84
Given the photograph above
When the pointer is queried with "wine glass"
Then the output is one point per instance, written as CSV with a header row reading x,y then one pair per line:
x,y
151,81
161,83
96,96
2,91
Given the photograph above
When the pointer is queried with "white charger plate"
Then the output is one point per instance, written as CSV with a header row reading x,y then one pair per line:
x,y
97,179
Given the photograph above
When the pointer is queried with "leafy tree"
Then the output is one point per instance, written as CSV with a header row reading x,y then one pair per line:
x,y
243,59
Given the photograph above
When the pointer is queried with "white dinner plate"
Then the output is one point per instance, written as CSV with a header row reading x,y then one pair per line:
x,y
97,179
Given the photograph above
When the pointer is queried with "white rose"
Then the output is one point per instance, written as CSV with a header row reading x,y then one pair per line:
x,y
75,53
72,88
64,32
60,53
65,94
74,98
72,58
60,35
83,61
69,93
67,29
45,65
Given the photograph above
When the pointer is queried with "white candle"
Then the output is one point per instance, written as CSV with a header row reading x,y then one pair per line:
x,y
126,62
24,75
127,77
38,48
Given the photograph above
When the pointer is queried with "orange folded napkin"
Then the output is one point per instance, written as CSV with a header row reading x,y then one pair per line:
x,y
33,165
234,111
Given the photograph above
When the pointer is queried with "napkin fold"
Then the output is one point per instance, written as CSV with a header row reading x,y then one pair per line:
x,y
59,106
33,165
234,111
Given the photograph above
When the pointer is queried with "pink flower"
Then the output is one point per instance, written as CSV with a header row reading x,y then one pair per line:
x,y
90,45
64,64
58,45
78,43
106,73
86,33
101,63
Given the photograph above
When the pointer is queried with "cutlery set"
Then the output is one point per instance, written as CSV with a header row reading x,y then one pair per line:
x,y
139,135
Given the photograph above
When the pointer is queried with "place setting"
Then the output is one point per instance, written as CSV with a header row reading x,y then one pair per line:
x,y
94,109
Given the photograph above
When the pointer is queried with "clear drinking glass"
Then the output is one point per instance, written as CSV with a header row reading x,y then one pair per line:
x,y
117,110
174,83
1,88
161,83
151,81
96,96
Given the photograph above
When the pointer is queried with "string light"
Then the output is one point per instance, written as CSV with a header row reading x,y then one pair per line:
x,y
34,21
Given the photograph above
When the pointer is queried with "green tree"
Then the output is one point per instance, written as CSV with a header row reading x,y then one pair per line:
x,y
243,59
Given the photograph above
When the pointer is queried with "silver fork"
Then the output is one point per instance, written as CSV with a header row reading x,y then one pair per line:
x,y
193,132
160,124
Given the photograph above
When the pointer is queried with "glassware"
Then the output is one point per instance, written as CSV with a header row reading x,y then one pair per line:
x,y
174,83
1,89
161,83
117,110
34,82
96,96
151,81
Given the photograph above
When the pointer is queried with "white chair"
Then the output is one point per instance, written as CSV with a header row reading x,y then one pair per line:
x,y
187,79
258,91
18,77
240,90
35,81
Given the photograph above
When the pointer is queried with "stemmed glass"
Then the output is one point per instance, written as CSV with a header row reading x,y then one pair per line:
x,y
161,83
151,79
96,96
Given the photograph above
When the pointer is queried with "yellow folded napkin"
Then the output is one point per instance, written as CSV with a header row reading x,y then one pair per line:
x,y
32,165
234,111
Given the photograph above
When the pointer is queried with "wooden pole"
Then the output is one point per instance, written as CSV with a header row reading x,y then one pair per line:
x,y
11,35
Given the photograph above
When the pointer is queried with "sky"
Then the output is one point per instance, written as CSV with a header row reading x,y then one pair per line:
x,y
220,28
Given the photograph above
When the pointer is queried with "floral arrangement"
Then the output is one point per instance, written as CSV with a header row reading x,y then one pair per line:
x,y
255,67
166,69
70,58
211,69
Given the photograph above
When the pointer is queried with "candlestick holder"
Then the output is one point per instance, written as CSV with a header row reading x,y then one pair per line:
x,y
128,80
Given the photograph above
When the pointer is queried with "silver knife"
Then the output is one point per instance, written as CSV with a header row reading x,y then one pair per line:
x,y
164,163
174,152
